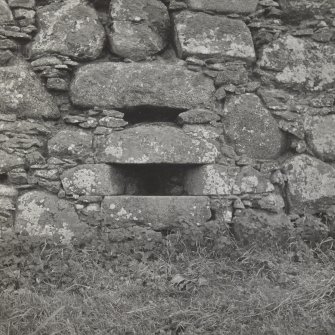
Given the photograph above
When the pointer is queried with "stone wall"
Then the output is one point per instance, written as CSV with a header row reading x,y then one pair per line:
x,y
125,119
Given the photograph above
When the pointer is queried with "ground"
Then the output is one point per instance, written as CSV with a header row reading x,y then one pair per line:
x,y
208,287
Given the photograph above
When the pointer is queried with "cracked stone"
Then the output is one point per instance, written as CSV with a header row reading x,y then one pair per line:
x,y
67,28
139,28
206,36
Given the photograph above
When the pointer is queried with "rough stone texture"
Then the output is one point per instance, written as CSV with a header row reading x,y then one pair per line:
x,y
311,184
5,12
159,213
44,215
263,229
224,6
250,127
71,144
23,94
93,179
154,144
9,161
120,85
299,63
225,180
311,229
197,116
8,195
70,28
139,28
205,36
320,135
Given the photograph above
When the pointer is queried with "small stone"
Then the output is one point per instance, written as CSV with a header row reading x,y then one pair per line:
x,y
220,94
9,161
18,176
57,84
21,3
112,122
223,6
7,44
5,57
232,74
197,116
311,229
5,13
46,61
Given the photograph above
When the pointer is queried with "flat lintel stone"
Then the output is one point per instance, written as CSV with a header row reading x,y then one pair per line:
x,y
154,144
157,212
224,6
127,85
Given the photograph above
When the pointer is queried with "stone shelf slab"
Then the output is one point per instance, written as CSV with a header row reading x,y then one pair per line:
x,y
154,144
157,212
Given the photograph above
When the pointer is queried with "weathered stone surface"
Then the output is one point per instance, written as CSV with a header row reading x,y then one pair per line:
x,y
93,179
235,74
139,28
224,6
320,135
23,94
71,144
300,63
197,116
70,28
224,180
8,195
9,161
154,144
120,85
5,12
311,184
251,127
263,229
21,3
44,215
157,212
311,229
205,36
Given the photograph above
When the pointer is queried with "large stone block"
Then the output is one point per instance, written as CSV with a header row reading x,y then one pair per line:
x,y
23,94
139,28
299,63
310,185
42,214
121,85
320,135
225,180
70,28
9,161
251,128
93,179
205,36
157,212
72,144
148,144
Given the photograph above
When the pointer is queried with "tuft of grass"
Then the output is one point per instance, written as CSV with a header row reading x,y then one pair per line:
x,y
71,291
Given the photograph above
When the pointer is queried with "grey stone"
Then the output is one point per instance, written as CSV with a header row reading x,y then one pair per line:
x,y
320,135
197,116
21,3
235,74
154,144
9,161
251,127
74,144
71,28
311,229
44,215
57,84
262,229
139,28
224,6
299,63
5,12
157,212
93,179
310,184
206,36
120,85
225,180
22,93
